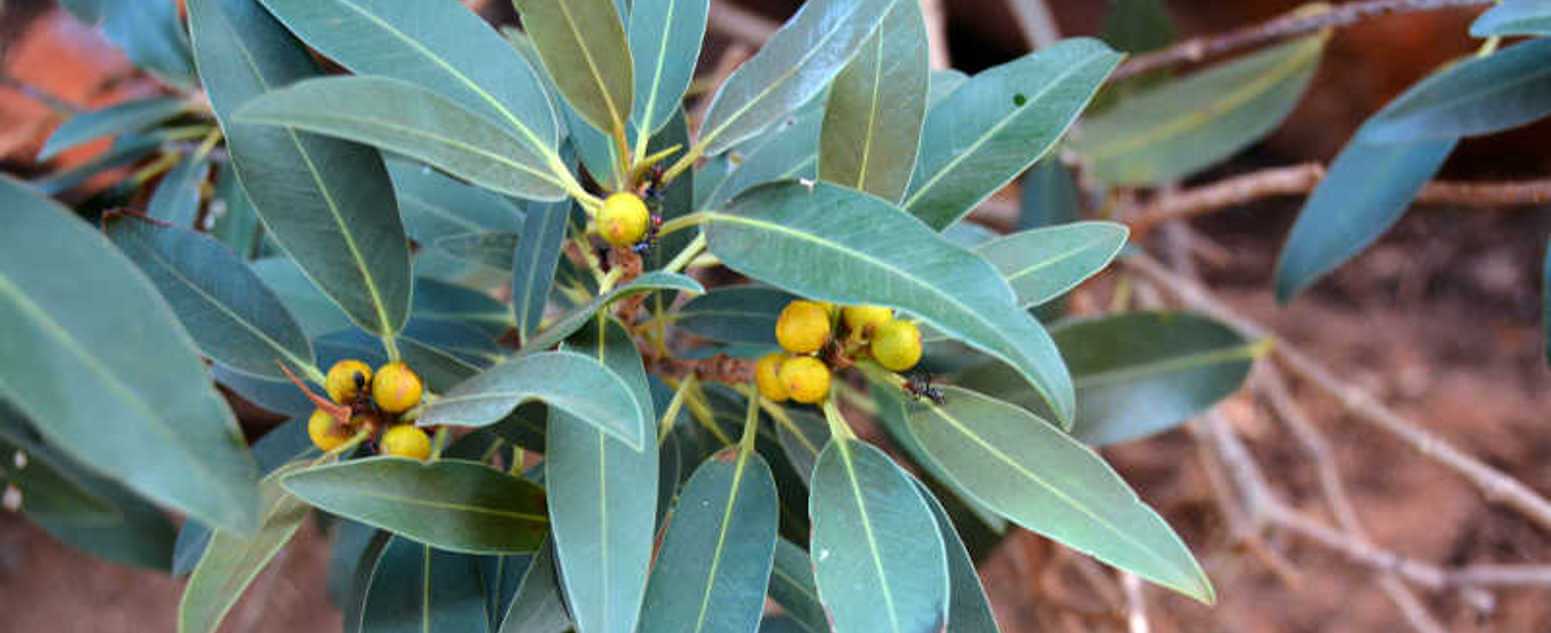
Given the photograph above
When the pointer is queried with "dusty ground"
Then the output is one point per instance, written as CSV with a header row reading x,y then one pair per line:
x,y
1440,320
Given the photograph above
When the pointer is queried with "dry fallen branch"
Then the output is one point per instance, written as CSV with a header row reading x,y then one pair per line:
x,y
1292,24
1302,179
1494,484
740,24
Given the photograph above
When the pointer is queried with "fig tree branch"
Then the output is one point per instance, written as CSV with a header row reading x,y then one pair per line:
x,y
1286,26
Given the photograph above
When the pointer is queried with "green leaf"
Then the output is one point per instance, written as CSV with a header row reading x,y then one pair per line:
x,y
364,571
877,558
418,588
450,504
734,314
49,491
178,195
172,439
603,497
785,154
1514,17
538,606
716,555
1049,195
232,316
583,45
124,151
802,441
491,249
872,124
150,34
533,269
1042,264
409,120
1137,26
441,301
793,67
311,308
1482,95
678,197
791,586
835,244
1182,126
440,46
572,321
435,205
1017,464
234,221
1364,192
969,611
125,118
943,83
1000,122
232,560
327,203
572,382
665,40
893,413
1136,373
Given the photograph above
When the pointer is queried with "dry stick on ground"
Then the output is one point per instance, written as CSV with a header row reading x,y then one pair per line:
x,y
1302,179
1495,485
1292,24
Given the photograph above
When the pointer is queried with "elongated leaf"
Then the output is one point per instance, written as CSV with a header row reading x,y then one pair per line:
x,y
1044,480
878,561
49,491
124,151
734,314
572,382
665,40
533,268
944,82
1364,192
583,45
572,321
1049,195
124,118
233,220
172,438
232,560
1042,264
1478,96
233,317
406,119
436,205
364,571
491,249
1185,125
714,565
417,588
1000,122
1138,26
450,504
1514,17
327,203
538,606
440,301
969,611
149,32
311,308
803,440
872,124
835,244
791,586
893,413
793,67
1136,373
440,46
788,154
178,195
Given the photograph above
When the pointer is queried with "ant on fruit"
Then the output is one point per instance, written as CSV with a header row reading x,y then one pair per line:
x,y
919,385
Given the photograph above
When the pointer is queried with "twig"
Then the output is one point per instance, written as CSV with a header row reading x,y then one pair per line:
x,y
1302,179
1494,484
1037,23
740,24
1292,24
1136,603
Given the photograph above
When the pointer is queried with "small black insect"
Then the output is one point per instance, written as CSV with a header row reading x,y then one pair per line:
x,y
654,188
919,384
645,245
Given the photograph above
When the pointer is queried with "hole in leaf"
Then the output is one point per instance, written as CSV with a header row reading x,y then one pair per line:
x,y
1019,99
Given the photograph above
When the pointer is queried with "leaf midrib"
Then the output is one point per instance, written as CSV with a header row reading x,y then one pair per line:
x,y
721,538
1188,361
872,540
592,66
1031,476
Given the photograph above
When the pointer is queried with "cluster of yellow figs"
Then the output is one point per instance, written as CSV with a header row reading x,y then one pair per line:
x,y
373,398
807,331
